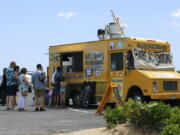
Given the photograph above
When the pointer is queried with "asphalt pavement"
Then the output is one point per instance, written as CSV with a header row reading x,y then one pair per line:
x,y
51,121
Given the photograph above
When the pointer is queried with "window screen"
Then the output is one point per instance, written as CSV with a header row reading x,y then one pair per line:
x,y
72,62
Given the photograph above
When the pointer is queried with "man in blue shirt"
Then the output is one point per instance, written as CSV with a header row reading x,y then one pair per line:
x,y
38,80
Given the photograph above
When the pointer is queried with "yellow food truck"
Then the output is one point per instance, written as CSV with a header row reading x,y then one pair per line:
x,y
141,68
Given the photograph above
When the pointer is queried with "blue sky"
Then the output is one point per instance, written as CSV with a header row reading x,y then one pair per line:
x,y
29,27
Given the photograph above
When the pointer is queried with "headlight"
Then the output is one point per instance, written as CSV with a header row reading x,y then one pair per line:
x,y
154,88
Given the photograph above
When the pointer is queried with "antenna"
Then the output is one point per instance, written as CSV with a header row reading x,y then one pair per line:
x,y
117,21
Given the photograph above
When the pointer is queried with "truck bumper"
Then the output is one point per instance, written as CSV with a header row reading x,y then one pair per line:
x,y
165,96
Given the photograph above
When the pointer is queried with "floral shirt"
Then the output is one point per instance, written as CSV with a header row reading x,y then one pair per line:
x,y
23,85
10,76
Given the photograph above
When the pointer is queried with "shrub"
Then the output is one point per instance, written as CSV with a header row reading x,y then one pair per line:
x,y
115,116
120,114
148,116
172,129
172,125
174,117
154,115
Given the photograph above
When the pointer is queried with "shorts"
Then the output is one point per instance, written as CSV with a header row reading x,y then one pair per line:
x,y
63,90
39,92
56,91
11,90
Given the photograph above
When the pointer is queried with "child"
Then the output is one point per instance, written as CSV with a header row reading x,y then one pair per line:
x,y
63,93
23,89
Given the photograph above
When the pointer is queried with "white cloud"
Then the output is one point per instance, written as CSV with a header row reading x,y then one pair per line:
x,y
176,13
176,24
66,15
175,18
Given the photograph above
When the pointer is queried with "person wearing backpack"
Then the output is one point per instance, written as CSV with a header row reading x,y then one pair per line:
x,y
57,90
38,80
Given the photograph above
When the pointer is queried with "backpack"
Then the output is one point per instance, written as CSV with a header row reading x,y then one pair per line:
x,y
42,76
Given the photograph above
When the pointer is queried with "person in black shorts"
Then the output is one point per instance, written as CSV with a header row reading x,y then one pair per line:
x,y
11,85
57,80
3,88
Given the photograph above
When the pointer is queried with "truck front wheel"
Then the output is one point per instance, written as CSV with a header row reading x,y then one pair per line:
x,y
135,94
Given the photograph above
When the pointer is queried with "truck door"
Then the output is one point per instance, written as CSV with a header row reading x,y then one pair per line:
x,y
116,73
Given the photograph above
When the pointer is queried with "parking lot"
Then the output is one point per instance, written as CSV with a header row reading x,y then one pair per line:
x,y
51,121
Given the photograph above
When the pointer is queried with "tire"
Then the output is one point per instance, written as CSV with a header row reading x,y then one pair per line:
x,y
76,99
137,96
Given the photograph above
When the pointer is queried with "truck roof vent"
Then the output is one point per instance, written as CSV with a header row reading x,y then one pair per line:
x,y
101,34
112,31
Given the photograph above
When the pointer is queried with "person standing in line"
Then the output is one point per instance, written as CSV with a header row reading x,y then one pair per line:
x,y
38,80
53,102
17,74
52,79
11,85
63,84
57,80
50,93
3,87
23,89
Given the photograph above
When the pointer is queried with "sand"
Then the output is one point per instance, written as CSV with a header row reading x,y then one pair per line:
x,y
119,130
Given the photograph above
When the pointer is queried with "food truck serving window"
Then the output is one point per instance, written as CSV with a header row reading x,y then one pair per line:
x,y
116,61
72,62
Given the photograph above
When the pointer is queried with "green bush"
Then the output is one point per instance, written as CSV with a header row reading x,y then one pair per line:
x,y
172,129
115,116
148,116
174,117
172,124
154,116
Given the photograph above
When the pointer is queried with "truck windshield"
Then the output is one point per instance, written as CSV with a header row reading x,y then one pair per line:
x,y
116,61
141,59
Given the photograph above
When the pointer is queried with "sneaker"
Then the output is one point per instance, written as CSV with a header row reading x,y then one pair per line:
x,y
15,108
22,109
9,108
19,109
37,109
42,109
